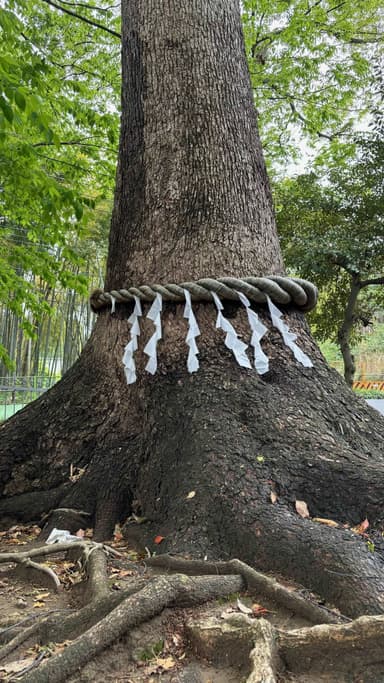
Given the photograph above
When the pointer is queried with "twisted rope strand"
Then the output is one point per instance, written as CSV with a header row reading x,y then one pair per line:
x,y
281,290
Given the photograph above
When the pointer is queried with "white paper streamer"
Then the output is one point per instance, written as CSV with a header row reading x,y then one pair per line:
x,y
113,304
150,349
258,331
131,347
193,331
288,337
232,341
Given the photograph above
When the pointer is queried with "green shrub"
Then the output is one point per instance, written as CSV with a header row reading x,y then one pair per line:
x,y
369,393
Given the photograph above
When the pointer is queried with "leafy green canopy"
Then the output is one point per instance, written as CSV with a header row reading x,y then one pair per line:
x,y
59,85
59,93
332,227
312,67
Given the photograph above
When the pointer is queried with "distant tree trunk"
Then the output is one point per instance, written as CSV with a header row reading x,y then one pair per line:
x,y
344,334
192,200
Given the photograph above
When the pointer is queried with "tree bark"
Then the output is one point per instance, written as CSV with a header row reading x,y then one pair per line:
x,y
192,196
193,200
344,333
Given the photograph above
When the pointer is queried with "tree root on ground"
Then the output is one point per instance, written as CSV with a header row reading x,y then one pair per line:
x,y
256,583
254,645
271,651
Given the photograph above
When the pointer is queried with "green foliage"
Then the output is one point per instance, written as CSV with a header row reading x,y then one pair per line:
x,y
311,63
370,393
151,652
58,133
331,227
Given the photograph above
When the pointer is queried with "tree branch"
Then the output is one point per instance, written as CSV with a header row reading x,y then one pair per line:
x,y
372,281
85,6
82,18
72,143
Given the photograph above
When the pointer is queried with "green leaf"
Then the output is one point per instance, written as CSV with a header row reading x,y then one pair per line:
x,y
20,100
7,109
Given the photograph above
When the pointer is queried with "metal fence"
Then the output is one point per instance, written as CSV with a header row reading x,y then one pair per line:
x,y
16,392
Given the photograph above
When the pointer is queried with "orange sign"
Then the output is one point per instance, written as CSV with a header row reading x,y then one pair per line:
x,y
369,384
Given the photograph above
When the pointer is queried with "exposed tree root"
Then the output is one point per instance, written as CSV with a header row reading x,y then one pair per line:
x,y
256,583
272,651
24,559
32,631
151,600
363,637
261,651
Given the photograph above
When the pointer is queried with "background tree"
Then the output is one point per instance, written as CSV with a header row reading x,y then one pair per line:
x,y
192,198
58,135
331,229
310,64
48,300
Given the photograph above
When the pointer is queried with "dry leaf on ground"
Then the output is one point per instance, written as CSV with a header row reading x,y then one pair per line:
x,y
327,522
302,508
361,528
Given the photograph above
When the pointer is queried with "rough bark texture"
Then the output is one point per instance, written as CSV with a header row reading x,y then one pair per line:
x,y
192,196
192,200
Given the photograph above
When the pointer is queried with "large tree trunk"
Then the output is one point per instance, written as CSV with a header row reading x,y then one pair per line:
x,y
193,200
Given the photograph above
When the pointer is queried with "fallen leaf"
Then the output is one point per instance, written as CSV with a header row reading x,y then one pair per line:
x,y
243,608
360,528
42,596
301,508
259,610
191,494
158,539
117,535
166,663
126,572
273,497
38,604
60,647
328,522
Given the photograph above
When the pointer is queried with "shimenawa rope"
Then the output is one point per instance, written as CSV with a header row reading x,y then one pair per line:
x,y
281,290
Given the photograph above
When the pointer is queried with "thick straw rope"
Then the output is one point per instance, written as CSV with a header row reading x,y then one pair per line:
x,y
281,290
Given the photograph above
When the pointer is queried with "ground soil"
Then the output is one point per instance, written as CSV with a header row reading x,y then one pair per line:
x,y
157,651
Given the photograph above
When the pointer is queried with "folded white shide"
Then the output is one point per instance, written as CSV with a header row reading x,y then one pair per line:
x,y
232,341
150,349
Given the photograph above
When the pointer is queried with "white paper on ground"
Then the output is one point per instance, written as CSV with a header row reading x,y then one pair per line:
x,y
258,331
150,349
288,337
232,341
62,536
193,331
131,347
